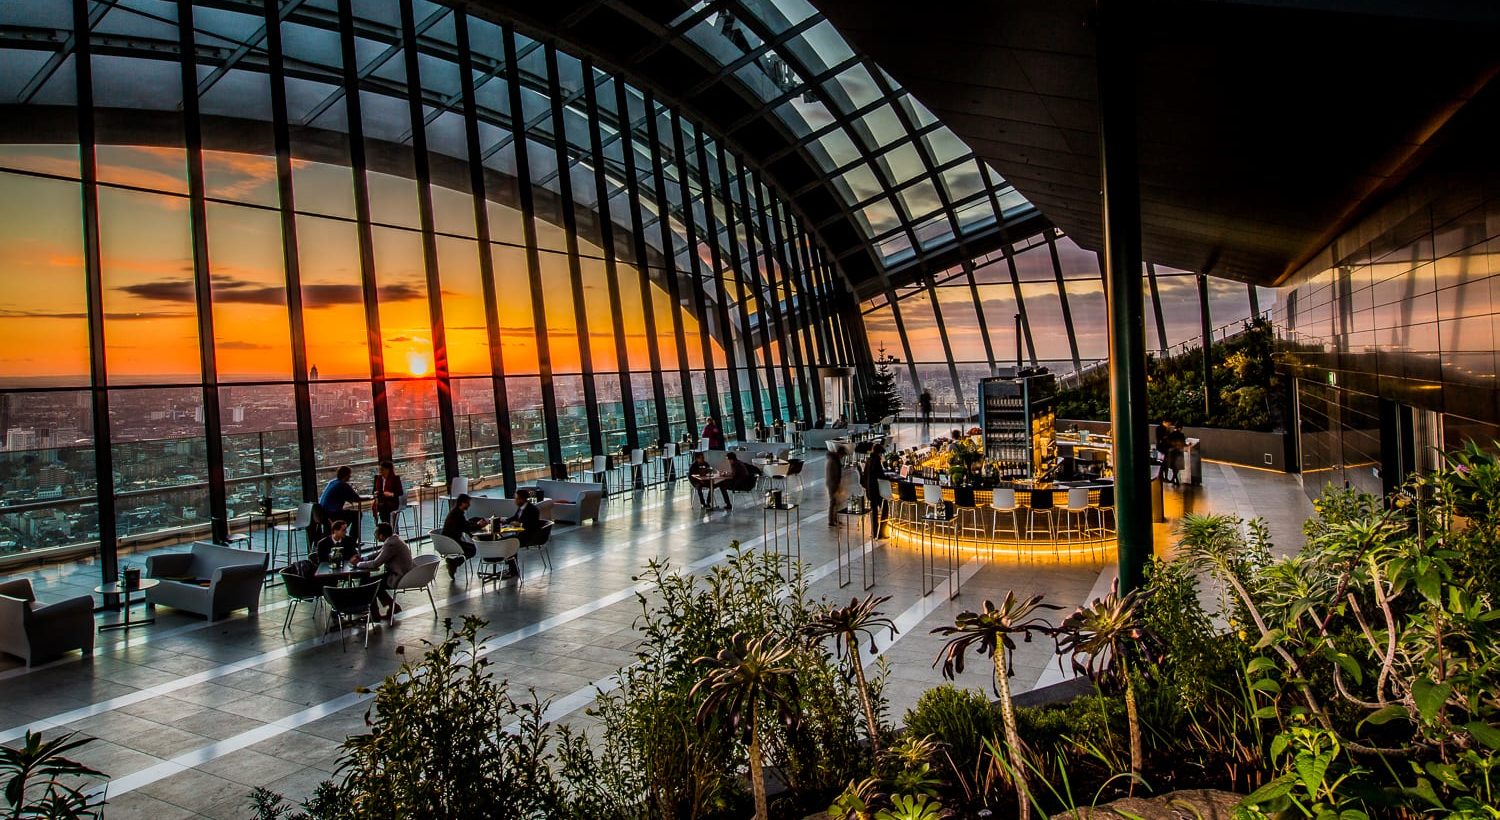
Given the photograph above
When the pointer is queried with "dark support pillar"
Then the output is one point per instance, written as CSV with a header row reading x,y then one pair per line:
x,y
1254,301
1206,322
1121,203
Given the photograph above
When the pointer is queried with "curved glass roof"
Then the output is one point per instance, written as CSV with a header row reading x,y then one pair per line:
x,y
909,183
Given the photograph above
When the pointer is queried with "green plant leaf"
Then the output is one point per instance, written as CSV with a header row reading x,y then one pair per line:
x,y
1273,790
1430,696
1485,733
1272,636
1258,665
1385,715
1265,713
1267,685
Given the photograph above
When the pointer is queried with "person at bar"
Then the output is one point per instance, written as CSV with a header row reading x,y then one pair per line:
x,y
338,492
388,492
874,477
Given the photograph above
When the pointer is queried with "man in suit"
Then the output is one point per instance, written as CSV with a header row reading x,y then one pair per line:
x,y
338,543
459,526
529,516
395,558
873,478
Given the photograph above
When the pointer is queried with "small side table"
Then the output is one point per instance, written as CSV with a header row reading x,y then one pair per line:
x,y
781,532
118,588
852,539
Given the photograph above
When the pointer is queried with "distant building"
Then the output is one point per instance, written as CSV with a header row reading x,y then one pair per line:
x,y
20,438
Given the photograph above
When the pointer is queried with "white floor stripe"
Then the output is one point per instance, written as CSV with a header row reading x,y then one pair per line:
x,y
103,707
198,757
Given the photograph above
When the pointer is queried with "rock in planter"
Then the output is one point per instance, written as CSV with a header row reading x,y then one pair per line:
x,y
1188,804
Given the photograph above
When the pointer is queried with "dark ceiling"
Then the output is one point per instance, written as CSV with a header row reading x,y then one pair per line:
x,y
1264,127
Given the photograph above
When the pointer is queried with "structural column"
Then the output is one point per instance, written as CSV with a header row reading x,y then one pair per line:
x,y
1121,202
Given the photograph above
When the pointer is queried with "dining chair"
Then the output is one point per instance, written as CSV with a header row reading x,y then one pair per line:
x,y
445,547
350,605
301,589
540,544
492,557
423,570
457,487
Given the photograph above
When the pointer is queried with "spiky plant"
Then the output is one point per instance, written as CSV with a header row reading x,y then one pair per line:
x,y
748,679
845,624
41,781
1099,639
992,632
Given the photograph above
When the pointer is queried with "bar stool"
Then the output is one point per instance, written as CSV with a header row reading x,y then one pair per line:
x,y
1003,500
1106,503
1042,502
666,463
906,499
600,472
932,499
1075,515
457,487
637,468
968,508
300,523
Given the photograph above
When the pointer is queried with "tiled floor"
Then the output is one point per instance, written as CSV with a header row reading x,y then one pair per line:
x,y
189,716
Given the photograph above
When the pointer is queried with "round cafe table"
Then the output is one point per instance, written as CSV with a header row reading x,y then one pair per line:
x,y
119,588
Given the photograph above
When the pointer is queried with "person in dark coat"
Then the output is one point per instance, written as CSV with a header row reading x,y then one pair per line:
x,y
338,543
713,435
873,479
388,492
833,476
459,526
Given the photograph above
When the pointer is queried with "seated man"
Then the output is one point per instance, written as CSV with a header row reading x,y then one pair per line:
x,y
337,544
337,493
735,476
459,526
395,558
529,516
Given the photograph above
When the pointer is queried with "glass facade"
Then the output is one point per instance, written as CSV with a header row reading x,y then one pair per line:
x,y
246,243
1396,322
1039,302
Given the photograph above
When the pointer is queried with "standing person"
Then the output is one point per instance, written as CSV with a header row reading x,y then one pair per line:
x,y
1176,452
388,492
713,435
1163,449
873,477
336,493
395,558
925,400
833,476
459,526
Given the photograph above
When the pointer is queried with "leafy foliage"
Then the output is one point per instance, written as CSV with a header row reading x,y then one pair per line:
x,y
41,781
846,624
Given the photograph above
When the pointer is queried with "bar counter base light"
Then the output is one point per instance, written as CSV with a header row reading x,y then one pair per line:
x,y
1084,536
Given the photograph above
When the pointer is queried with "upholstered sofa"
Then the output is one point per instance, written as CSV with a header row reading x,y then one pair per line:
x,y
572,501
209,580
485,507
33,631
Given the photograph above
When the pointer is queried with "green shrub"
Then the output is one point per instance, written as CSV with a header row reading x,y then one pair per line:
x,y
961,719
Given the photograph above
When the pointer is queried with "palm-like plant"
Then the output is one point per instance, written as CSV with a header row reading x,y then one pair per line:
x,y
845,624
748,678
36,774
992,632
1104,633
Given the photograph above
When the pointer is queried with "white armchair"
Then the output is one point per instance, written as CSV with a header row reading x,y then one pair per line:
x,y
33,631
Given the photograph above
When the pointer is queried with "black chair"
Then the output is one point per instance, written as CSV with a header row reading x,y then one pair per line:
x,y
906,499
539,542
301,587
1042,502
353,605
794,468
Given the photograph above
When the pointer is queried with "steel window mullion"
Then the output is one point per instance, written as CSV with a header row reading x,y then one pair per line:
x,y
796,318
1161,324
643,270
791,347
486,259
812,310
737,268
911,365
533,259
611,268
984,326
1062,297
1015,283
213,425
381,408
695,266
721,309
428,223
765,296
290,254
104,471
942,328
669,260
575,266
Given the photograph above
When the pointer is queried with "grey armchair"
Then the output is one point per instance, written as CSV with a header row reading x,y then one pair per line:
x,y
34,632
234,579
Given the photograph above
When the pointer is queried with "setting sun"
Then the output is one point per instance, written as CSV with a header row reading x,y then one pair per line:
x,y
417,364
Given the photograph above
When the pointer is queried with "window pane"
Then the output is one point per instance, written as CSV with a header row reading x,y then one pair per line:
x,y
252,340
332,299
42,290
150,304
47,458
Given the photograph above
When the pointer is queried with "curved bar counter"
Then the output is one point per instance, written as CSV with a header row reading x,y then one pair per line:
x,y
1086,536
